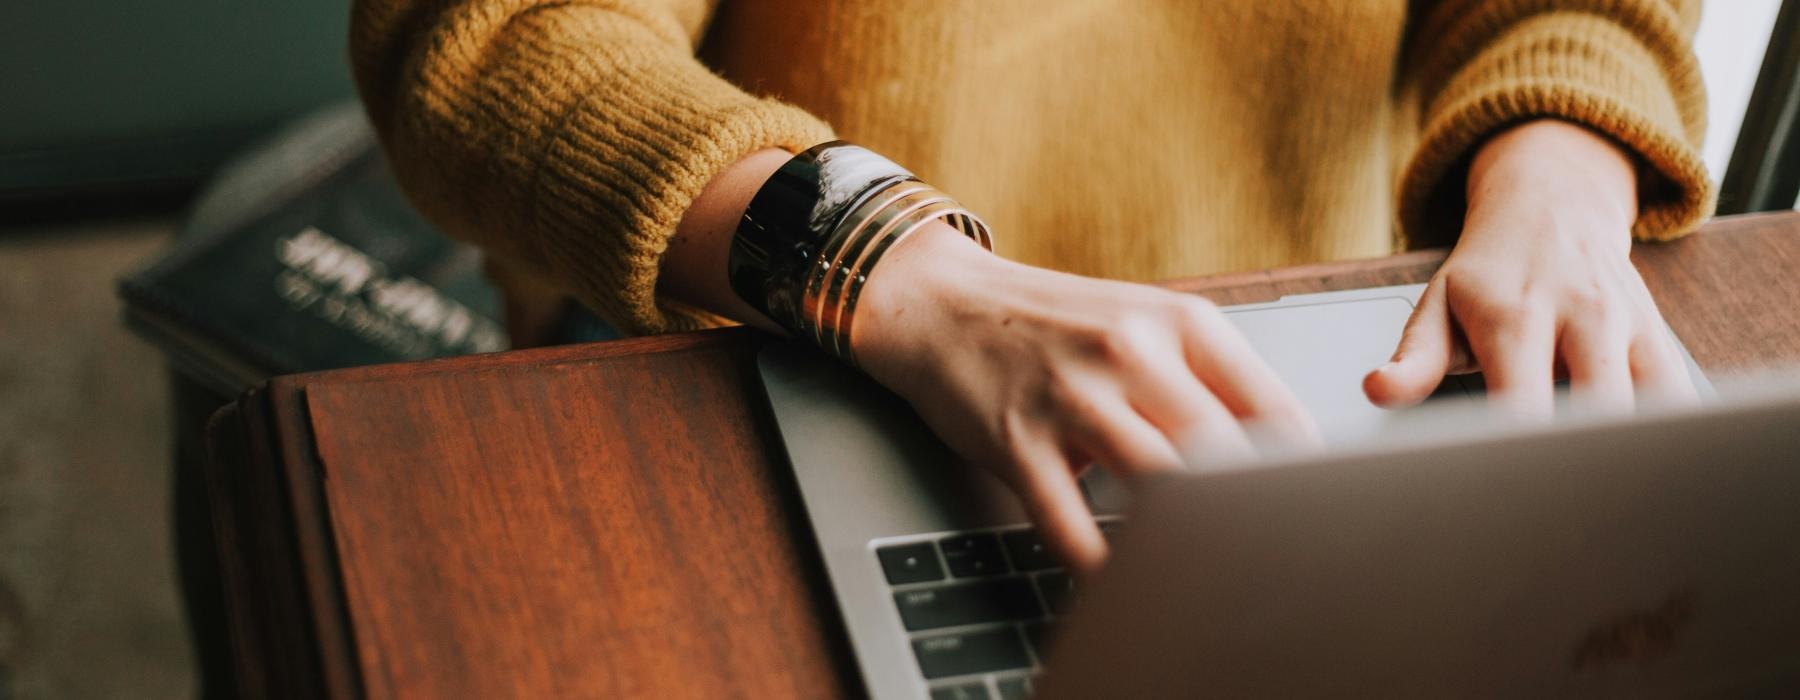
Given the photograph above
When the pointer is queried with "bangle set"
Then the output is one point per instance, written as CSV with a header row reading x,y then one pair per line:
x,y
814,233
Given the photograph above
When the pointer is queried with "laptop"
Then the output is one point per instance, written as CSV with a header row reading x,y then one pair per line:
x,y
1451,556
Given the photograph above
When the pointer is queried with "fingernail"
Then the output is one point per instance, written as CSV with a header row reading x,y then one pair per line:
x,y
1388,367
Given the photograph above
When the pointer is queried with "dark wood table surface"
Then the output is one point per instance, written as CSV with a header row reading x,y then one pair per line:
x,y
617,520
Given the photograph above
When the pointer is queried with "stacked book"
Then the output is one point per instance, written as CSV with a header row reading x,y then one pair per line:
x,y
304,255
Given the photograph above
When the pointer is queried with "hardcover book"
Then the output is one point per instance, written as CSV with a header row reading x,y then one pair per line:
x,y
304,255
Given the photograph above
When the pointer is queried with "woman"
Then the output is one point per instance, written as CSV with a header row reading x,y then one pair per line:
x,y
609,150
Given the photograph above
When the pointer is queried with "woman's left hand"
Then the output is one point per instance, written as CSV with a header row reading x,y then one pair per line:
x,y
1540,285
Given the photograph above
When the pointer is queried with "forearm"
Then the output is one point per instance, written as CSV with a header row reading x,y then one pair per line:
x,y
565,137
693,268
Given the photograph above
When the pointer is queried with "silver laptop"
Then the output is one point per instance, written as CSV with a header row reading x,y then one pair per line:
x,y
1443,561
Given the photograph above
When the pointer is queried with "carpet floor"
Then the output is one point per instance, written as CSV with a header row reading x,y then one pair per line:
x,y
89,606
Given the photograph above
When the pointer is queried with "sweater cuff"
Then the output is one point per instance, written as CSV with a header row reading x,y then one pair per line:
x,y
634,166
1581,68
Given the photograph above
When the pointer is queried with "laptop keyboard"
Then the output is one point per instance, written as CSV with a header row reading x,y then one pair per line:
x,y
978,608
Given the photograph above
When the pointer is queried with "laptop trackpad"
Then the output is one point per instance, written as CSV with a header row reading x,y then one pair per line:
x,y
1322,351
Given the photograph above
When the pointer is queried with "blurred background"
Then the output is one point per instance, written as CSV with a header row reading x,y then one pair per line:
x,y
112,114
114,118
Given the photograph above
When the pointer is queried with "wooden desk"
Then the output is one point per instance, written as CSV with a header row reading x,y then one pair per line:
x,y
616,519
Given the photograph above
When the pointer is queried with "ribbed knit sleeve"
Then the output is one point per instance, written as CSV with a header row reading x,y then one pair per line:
x,y
1624,68
566,135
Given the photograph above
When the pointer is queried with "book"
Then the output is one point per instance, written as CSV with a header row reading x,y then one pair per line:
x,y
303,255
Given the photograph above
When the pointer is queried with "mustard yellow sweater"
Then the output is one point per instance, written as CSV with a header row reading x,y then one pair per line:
x,y
1132,139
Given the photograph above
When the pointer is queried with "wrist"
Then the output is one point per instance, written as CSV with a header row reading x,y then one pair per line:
x,y
930,272
1555,166
818,230
701,245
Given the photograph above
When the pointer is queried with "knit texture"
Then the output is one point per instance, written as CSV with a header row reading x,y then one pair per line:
x,y
1175,138
1622,68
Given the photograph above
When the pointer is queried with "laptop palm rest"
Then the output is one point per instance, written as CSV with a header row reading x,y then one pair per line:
x,y
868,468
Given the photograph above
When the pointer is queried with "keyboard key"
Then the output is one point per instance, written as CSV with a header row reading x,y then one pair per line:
x,y
996,600
1018,688
970,652
1028,551
960,691
1058,588
973,555
910,563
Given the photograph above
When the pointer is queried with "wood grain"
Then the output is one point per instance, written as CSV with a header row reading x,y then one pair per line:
x,y
615,520
589,528
1732,292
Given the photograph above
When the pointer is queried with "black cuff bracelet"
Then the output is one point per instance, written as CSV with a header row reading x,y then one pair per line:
x,y
832,199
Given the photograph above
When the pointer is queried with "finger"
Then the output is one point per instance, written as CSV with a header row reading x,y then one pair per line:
x,y
1222,442
1219,356
1199,426
1122,440
1422,358
1046,485
1516,350
1597,356
1658,368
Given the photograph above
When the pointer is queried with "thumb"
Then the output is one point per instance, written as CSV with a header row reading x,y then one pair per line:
x,y
1422,359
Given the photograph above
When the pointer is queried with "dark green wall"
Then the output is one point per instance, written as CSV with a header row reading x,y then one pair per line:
x,y
118,90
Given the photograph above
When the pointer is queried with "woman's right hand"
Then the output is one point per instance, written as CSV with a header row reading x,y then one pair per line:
x,y
1036,374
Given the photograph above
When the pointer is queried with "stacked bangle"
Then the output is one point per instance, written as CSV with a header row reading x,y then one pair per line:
x,y
816,230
